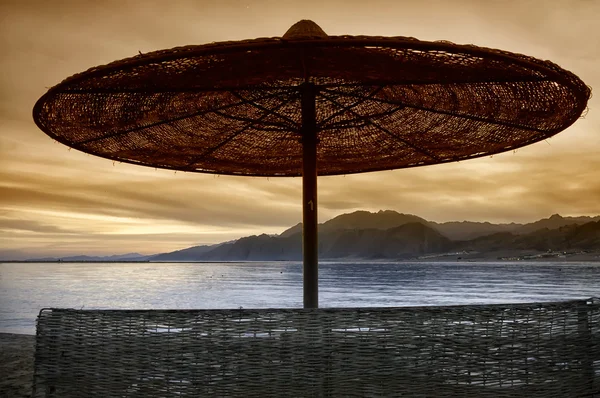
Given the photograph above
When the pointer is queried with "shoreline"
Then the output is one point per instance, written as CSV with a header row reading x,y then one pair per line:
x,y
508,256
16,364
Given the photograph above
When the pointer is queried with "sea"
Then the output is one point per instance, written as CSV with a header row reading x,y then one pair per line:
x,y
25,288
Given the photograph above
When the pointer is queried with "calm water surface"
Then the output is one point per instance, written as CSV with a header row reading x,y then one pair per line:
x,y
26,288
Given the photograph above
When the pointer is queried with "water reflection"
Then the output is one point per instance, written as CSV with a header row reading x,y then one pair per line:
x,y
25,288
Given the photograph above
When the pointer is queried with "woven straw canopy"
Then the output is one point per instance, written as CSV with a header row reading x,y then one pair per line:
x,y
381,103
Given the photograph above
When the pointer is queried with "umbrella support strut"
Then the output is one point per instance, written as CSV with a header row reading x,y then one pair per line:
x,y
309,196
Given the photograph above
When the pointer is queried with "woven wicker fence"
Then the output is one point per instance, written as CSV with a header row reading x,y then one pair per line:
x,y
529,350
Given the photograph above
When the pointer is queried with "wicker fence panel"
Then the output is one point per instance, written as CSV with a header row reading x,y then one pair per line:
x,y
528,350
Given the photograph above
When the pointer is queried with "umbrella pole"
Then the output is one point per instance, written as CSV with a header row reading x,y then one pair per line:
x,y
309,197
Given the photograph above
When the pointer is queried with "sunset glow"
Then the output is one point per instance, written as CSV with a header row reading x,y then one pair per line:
x,y
55,201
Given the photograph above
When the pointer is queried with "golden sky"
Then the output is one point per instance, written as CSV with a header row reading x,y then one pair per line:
x,y
56,201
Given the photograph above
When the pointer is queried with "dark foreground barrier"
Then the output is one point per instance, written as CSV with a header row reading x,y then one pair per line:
x,y
512,350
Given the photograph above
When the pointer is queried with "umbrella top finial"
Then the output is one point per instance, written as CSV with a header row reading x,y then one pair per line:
x,y
304,29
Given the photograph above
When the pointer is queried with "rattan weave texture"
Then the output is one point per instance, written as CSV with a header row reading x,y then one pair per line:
x,y
514,350
382,103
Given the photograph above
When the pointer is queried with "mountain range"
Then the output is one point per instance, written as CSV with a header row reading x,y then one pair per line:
x,y
387,234
395,236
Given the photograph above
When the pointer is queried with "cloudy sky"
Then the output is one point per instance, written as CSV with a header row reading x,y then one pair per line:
x,y
56,201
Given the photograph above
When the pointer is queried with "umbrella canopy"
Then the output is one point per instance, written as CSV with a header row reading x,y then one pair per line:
x,y
310,104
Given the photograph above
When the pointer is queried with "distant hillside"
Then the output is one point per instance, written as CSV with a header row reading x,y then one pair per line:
x,y
405,241
465,230
573,237
383,219
553,222
569,238
258,248
189,254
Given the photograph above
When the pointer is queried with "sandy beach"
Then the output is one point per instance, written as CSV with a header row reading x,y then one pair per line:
x,y
16,364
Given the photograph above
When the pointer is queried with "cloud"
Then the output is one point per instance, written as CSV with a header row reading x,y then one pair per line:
x,y
30,226
230,203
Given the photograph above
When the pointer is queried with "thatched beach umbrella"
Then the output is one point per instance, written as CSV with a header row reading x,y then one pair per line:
x,y
309,104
